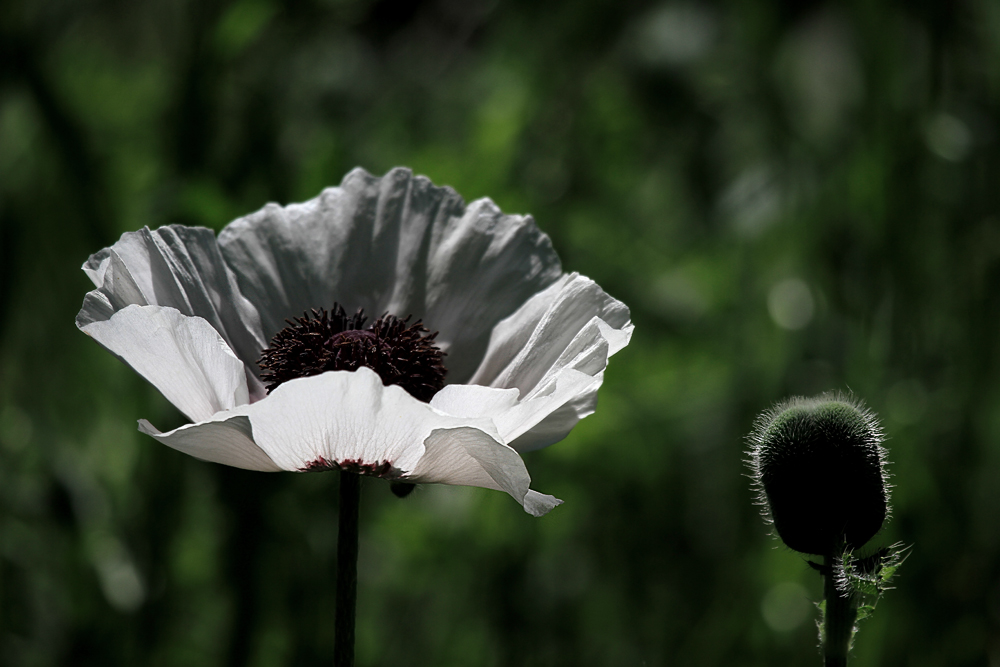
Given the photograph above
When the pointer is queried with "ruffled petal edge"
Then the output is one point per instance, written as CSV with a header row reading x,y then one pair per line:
x,y
554,351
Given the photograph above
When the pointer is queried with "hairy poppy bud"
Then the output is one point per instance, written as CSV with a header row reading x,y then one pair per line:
x,y
819,467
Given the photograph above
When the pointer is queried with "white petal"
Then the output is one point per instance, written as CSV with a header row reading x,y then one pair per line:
x,y
394,244
537,504
548,417
342,246
183,357
537,421
486,265
97,307
618,338
545,332
228,441
117,287
351,418
462,456
96,266
554,349
180,267
340,417
474,401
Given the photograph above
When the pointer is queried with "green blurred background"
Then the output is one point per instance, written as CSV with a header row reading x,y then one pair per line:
x,y
791,197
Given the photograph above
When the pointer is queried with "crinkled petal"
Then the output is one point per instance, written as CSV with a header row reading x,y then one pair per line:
x,y
394,244
184,357
228,441
544,335
554,350
114,281
180,267
531,423
546,418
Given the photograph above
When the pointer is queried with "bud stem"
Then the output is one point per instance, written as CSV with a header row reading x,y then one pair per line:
x,y
838,622
347,569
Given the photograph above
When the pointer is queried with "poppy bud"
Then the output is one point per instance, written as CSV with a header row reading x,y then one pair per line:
x,y
819,467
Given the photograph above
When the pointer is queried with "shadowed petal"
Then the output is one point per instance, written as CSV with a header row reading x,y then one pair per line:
x,y
183,357
538,504
394,244
462,456
180,267
228,441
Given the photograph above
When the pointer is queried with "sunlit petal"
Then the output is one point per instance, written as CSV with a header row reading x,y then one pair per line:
x,y
554,349
184,357
350,420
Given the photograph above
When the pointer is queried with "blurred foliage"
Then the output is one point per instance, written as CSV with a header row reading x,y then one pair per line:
x,y
792,197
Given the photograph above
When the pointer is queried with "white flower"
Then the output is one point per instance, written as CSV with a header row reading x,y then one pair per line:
x,y
526,345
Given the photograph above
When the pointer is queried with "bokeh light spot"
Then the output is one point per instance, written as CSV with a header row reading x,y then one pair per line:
x,y
785,606
948,137
676,34
791,304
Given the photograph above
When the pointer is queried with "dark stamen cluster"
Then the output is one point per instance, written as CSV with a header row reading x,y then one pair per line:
x,y
382,469
401,353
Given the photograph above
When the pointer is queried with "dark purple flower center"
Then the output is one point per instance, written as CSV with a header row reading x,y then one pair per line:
x,y
401,353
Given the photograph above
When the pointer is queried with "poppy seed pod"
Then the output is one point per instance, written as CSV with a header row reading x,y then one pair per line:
x,y
819,467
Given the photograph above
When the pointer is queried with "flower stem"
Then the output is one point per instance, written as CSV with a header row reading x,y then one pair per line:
x,y
347,569
841,612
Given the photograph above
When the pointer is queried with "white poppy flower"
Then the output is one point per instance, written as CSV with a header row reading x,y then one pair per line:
x,y
525,345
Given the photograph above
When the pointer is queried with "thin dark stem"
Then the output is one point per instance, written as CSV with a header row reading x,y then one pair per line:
x,y
841,611
347,569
